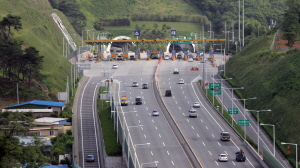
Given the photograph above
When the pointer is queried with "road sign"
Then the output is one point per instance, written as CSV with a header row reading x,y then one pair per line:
x,y
242,122
173,32
235,111
214,88
137,33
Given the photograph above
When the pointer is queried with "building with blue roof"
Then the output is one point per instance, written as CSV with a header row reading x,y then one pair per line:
x,y
39,108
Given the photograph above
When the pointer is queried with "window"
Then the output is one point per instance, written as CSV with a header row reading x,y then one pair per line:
x,y
51,132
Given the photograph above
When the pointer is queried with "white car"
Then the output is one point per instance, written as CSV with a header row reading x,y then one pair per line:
x,y
181,81
193,114
155,113
167,57
196,105
115,66
190,60
135,84
223,158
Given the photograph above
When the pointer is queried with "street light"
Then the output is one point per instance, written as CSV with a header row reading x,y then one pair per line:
x,y
82,34
283,143
258,111
223,92
123,125
135,158
245,128
155,162
128,134
232,102
273,136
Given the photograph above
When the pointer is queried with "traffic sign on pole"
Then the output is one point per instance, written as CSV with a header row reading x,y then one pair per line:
x,y
243,122
173,32
215,88
136,33
234,111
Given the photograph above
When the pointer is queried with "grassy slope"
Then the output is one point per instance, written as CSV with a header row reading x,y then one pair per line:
x,y
95,9
274,78
40,31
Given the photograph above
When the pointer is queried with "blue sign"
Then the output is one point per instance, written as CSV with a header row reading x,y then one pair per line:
x,y
173,53
136,53
212,53
137,33
185,53
160,53
198,53
173,32
148,53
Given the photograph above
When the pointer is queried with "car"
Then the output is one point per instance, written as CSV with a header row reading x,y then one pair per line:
x,y
179,56
135,84
138,100
145,86
190,60
91,59
119,57
168,93
115,66
155,113
175,71
181,81
193,114
225,136
223,158
201,53
167,57
131,57
90,158
196,105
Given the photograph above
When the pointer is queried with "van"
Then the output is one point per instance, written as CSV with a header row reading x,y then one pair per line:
x,y
138,100
168,93
225,136
175,71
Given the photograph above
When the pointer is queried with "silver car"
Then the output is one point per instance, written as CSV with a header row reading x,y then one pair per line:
x,y
196,105
155,113
135,84
223,158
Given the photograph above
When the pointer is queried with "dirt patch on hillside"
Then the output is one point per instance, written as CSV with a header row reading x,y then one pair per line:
x,y
281,45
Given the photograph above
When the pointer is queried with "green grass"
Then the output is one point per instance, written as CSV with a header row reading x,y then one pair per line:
x,y
40,31
112,148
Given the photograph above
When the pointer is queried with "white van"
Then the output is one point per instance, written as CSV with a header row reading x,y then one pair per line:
x,y
175,71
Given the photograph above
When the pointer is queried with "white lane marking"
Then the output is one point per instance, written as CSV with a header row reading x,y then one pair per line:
x,y
219,144
164,144
163,82
159,135
198,135
145,135
187,120
212,135
226,152
130,92
172,162
201,120
139,121
203,143
206,127
169,83
181,87
142,128
185,97
144,102
182,92
179,108
155,127
147,108
136,114
183,114
217,163
209,152
151,153
188,102
234,163
168,152
152,121
192,127
176,102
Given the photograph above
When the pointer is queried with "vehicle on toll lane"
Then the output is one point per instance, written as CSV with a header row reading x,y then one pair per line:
x,y
138,100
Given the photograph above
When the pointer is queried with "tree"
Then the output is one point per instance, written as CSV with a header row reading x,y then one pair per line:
x,y
12,151
10,21
62,144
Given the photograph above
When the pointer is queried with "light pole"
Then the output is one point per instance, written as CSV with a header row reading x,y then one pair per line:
x,y
273,136
245,128
135,158
155,162
128,134
283,143
86,33
232,102
123,125
258,111
222,92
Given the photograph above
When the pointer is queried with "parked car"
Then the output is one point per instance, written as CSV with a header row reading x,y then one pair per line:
x,y
181,81
135,84
196,105
155,113
223,158
90,158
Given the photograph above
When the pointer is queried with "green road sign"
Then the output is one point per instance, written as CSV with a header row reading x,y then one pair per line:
x,y
235,111
242,122
181,42
214,88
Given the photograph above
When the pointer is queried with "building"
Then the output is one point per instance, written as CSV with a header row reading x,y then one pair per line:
x,y
39,108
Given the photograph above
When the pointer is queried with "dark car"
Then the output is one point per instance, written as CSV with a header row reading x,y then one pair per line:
x,y
145,86
131,57
90,158
138,100
168,93
179,56
119,57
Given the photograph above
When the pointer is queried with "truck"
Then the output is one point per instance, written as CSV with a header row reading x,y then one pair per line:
x,y
240,156
124,101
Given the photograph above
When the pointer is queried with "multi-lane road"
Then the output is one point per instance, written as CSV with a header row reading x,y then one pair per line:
x,y
152,141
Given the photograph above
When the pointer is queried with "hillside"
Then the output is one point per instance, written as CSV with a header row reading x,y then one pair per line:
x,y
40,31
274,78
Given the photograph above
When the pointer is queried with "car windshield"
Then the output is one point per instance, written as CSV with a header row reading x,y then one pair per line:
x,y
193,111
222,155
196,103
